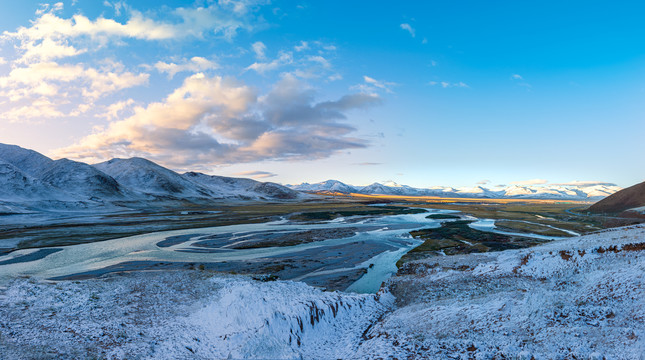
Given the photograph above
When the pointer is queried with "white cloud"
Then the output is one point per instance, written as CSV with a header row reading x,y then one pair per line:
x,y
112,77
530,182
39,109
195,64
372,85
61,83
446,84
308,61
519,80
45,63
256,174
113,111
304,45
117,6
320,60
50,36
80,110
259,49
284,58
212,120
408,28
242,7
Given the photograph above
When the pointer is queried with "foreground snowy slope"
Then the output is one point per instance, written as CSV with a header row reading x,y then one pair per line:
x,y
181,315
579,298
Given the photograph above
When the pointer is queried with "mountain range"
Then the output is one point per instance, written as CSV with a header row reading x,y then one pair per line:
x,y
31,181
558,192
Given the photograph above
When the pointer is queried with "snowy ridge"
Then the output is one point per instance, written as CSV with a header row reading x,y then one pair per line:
x,y
146,177
570,192
30,181
82,179
222,186
329,185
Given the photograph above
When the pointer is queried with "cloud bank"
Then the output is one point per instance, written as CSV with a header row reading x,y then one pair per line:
x,y
256,174
216,120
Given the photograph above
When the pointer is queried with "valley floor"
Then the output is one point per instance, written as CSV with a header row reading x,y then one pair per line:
x,y
579,297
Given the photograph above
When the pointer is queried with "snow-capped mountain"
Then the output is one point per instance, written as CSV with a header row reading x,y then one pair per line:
x,y
32,181
377,188
27,174
572,192
28,161
329,185
145,177
83,179
222,186
16,185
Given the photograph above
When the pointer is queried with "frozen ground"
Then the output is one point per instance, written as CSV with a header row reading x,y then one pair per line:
x,y
578,298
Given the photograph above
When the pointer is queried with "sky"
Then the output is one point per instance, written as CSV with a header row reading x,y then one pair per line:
x,y
453,93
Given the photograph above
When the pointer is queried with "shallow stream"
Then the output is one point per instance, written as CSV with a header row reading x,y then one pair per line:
x,y
385,239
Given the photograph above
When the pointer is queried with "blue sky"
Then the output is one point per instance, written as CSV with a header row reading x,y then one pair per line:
x,y
422,93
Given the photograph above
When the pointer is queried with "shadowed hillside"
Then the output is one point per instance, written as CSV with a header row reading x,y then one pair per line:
x,y
629,198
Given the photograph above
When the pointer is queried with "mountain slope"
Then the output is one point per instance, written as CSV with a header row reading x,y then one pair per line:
x,y
27,174
28,161
80,178
145,177
628,198
16,185
329,185
228,187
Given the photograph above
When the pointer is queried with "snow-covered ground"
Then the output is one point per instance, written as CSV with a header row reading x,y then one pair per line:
x,y
577,298
580,298
182,315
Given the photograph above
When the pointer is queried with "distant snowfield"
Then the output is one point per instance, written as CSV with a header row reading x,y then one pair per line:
x,y
581,297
